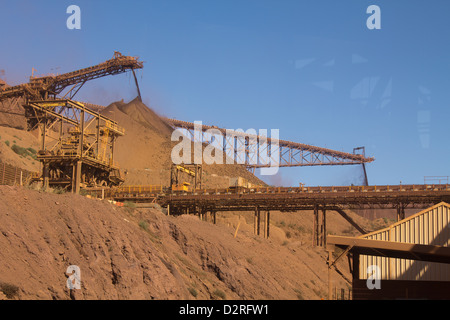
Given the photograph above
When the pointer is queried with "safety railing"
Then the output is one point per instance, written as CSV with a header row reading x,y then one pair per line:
x,y
139,189
383,188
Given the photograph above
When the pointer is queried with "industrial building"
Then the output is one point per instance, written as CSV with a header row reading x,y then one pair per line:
x,y
410,259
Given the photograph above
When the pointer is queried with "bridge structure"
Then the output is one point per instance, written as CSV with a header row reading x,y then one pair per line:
x,y
261,201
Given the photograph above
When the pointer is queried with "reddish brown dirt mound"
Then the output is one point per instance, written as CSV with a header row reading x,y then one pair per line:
x,y
139,112
126,253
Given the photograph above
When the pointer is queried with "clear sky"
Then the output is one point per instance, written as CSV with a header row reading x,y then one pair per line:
x,y
311,69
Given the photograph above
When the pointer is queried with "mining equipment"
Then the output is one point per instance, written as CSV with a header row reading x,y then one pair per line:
x,y
184,187
77,143
50,87
239,184
194,171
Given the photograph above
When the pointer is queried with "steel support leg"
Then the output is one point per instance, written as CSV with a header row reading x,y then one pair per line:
x,y
400,212
45,175
323,228
258,222
77,181
255,221
316,226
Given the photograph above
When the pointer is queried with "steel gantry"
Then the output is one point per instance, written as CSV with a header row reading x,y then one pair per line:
x,y
194,172
316,199
77,144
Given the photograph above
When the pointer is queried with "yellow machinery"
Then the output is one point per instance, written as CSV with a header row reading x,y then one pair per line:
x,y
181,187
194,171
77,145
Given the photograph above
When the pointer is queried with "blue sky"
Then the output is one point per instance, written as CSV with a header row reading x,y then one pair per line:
x,y
311,69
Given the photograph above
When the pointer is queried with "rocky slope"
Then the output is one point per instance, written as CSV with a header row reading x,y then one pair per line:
x,y
128,253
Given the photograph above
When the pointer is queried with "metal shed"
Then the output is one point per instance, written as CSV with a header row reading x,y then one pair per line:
x,y
409,259
428,227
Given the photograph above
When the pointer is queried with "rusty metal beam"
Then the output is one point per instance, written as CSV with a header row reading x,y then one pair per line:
x,y
350,220
401,250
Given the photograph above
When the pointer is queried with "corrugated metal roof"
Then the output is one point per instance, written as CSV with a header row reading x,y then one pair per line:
x,y
430,227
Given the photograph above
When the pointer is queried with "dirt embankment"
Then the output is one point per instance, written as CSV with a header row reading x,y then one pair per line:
x,y
126,253
19,148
